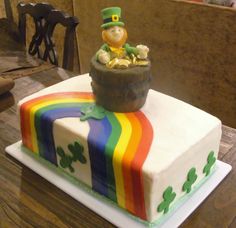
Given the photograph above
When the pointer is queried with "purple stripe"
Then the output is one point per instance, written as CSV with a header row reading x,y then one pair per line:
x,y
100,131
47,120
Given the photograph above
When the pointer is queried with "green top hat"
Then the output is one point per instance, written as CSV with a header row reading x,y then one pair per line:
x,y
111,17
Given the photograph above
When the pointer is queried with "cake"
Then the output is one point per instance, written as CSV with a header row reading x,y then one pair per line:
x,y
145,162
140,149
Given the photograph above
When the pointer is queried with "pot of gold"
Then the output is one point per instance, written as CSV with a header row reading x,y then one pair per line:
x,y
121,74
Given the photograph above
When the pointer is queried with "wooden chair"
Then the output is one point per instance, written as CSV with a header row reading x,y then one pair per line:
x,y
45,19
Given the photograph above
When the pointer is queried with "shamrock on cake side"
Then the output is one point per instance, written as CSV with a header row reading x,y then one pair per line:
x,y
115,52
121,74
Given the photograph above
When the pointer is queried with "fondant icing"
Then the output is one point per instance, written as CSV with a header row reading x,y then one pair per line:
x,y
131,158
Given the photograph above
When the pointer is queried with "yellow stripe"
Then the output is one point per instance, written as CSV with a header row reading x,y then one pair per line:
x,y
118,156
35,108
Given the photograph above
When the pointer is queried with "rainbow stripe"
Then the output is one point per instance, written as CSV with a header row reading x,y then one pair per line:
x,y
118,144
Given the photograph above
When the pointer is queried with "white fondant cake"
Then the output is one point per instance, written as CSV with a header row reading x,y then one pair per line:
x,y
143,161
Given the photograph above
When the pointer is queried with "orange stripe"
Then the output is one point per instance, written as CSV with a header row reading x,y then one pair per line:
x,y
127,161
137,163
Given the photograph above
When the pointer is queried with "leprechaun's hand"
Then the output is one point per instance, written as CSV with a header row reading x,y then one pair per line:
x,y
232,3
142,51
103,56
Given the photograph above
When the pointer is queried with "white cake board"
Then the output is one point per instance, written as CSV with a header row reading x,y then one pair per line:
x,y
108,211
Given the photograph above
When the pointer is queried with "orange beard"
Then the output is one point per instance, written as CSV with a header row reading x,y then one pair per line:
x,y
111,43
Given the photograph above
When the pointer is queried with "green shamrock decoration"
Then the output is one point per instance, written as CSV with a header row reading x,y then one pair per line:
x,y
77,150
168,197
92,111
66,160
77,155
211,159
191,178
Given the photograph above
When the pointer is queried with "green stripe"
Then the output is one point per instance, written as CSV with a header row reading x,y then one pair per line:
x,y
109,150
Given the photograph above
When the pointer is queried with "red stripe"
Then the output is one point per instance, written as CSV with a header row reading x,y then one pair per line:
x,y
128,158
25,107
137,163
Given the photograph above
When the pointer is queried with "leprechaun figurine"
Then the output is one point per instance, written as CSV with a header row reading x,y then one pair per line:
x,y
121,74
115,52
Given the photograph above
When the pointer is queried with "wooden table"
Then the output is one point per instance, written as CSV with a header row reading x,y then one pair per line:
x,y
27,200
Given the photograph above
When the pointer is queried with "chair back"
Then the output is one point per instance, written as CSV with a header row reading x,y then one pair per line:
x,y
46,17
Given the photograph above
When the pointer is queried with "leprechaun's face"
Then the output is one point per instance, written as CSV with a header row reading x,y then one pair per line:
x,y
115,33
115,36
